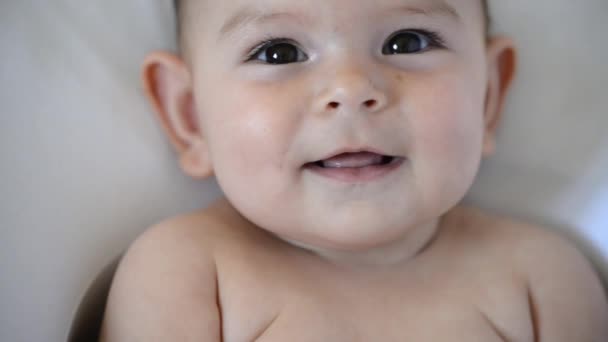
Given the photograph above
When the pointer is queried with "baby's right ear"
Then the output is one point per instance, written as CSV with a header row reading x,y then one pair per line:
x,y
168,85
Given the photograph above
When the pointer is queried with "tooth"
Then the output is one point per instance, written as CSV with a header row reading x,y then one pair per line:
x,y
352,161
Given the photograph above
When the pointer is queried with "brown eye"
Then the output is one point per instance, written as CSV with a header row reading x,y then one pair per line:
x,y
408,42
278,52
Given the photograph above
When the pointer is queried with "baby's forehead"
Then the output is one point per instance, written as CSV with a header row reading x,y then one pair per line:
x,y
219,17
241,10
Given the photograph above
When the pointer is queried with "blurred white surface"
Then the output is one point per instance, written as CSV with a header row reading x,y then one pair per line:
x,y
84,167
552,161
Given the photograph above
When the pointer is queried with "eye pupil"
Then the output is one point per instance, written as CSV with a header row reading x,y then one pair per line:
x,y
407,42
281,54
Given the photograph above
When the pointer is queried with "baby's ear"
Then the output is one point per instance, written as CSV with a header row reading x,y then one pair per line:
x,y
168,85
502,60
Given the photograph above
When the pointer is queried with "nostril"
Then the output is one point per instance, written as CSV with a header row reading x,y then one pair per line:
x,y
370,103
333,105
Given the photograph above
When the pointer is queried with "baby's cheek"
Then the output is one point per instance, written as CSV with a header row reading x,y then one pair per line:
x,y
447,132
243,141
251,133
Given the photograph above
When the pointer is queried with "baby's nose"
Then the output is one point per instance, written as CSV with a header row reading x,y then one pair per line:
x,y
351,90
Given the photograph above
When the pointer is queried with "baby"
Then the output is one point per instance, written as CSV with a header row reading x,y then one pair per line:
x,y
344,135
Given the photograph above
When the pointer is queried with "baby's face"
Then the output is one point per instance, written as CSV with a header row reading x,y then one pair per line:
x,y
279,85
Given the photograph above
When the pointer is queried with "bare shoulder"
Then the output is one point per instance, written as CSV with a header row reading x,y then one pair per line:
x,y
567,301
165,288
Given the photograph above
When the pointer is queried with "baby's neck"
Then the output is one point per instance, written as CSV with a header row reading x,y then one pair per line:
x,y
396,253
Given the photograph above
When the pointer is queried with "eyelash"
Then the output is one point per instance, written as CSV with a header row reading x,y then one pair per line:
x,y
268,41
436,41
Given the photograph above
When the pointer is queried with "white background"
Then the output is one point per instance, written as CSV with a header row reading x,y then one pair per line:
x,y
84,167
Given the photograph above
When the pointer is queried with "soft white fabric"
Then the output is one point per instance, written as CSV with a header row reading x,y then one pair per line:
x,y
84,167
552,160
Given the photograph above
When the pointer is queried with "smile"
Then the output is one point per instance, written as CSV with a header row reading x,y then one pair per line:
x,y
356,167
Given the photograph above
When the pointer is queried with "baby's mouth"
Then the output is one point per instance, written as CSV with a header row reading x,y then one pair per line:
x,y
356,167
354,160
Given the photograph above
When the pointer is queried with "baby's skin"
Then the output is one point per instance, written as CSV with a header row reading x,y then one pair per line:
x,y
344,135
213,276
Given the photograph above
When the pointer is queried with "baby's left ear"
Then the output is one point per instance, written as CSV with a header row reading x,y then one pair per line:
x,y
502,60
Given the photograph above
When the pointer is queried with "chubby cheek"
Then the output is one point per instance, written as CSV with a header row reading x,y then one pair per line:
x,y
250,134
447,127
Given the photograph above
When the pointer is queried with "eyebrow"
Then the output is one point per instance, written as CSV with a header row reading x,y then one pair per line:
x,y
248,15
437,8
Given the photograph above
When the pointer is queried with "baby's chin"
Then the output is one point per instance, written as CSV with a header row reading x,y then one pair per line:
x,y
341,224
356,230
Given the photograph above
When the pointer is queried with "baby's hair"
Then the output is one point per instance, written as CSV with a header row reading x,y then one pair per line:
x,y
180,11
178,5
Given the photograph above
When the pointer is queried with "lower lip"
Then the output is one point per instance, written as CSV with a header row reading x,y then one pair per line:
x,y
357,174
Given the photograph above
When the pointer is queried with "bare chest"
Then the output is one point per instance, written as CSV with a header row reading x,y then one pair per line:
x,y
325,323
321,309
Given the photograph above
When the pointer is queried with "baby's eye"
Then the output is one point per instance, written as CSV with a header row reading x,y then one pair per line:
x,y
411,41
277,51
